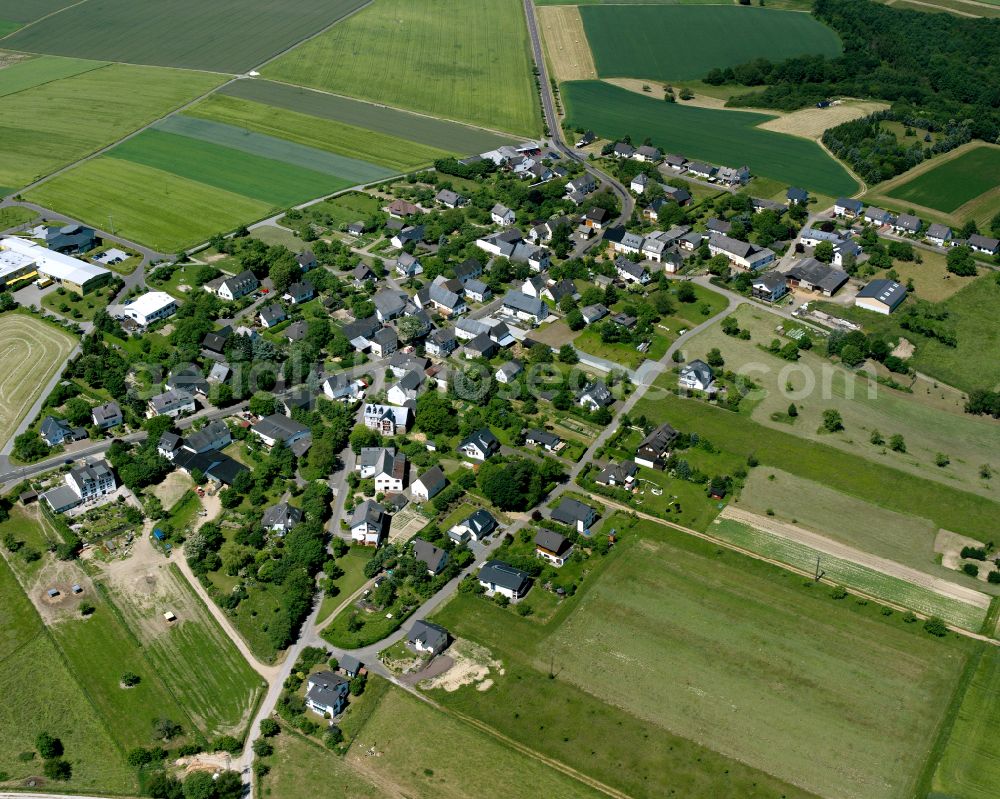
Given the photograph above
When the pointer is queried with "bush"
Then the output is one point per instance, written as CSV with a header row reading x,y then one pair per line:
x,y
838,592
936,626
130,679
262,748
971,569
57,769
48,746
993,577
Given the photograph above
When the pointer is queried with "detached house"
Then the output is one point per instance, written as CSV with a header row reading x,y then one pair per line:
x,y
107,415
281,518
550,442
654,449
502,215
170,403
620,475
741,254
450,199
476,527
575,514
434,558
848,207
298,293
631,272
441,342
769,286
939,235
326,693
639,183
551,546
525,308
595,395
647,154
368,523
984,244
498,577
480,446
391,472
278,427
235,287
271,315
429,484
696,375
389,420
427,638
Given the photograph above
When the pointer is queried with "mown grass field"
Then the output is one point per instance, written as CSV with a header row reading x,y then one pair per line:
x,y
953,183
222,36
975,361
222,696
761,668
668,42
851,575
722,137
32,352
148,205
357,144
268,180
839,470
815,385
353,564
417,128
35,71
970,764
449,58
60,122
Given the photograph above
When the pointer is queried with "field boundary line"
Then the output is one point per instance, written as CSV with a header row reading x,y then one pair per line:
x,y
41,19
100,65
787,567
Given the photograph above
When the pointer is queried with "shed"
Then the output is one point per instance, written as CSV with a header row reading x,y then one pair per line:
x,y
158,534
53,593
77,588
169,616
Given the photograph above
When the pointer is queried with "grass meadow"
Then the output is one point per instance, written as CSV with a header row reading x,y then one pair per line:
x,y
55,704
226,690
32,352
762,670
59,122
447,58
815,385
722,137
952,183
147,205
222,36
975,361
851,575
667,42
356,144
392,122
970,763
839,470
34,72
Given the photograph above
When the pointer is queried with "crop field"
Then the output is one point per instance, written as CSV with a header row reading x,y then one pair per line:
x,y
392,122
22,11
566,43
722,137
970,764
664,42
801,673
975,361
222,36
851,575
815,385
359,149
148,205
35,71
32,352
59,122
448,58
226,689
840,470
955,182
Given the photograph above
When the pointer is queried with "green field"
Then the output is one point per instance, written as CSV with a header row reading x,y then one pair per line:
x,y
851,575
664,42
947,507
695,643
35,71
30,10
33,352
721,137
357,146
148,205
418,128
60,122
222,36
975,361
448,58
816,385
970,765
953,183
226,690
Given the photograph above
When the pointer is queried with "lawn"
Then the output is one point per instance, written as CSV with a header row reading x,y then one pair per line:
x,y
355,145
816,385
447,58
762,669
722,137
391,122
625,354
33,352
147,205
960,511
353,564
302,769
35,71
76,307
975,361
16,216
952,183
346,208
667,42
222,36
226,690
970,764
849,574
251,175
50,126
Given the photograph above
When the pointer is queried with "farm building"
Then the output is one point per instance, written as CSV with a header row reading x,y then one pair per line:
x,y
881,296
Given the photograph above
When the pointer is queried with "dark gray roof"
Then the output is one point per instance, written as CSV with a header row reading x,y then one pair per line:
x,y
598,392
201,440
552,541
542,437
368,512
659,439
364,328
888,291
429,634
501,574
433,479
850,204
281,514
433,557
700,369
326,689
468,269
828,278
278,426
571,511
484,439
938,231
481,521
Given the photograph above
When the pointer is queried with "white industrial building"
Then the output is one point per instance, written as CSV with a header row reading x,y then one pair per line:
x,y
21,257
150,307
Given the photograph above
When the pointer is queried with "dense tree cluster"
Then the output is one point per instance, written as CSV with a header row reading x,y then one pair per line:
x,y
514,483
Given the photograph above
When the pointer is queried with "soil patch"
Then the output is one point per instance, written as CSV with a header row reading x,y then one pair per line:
x,y
472,664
